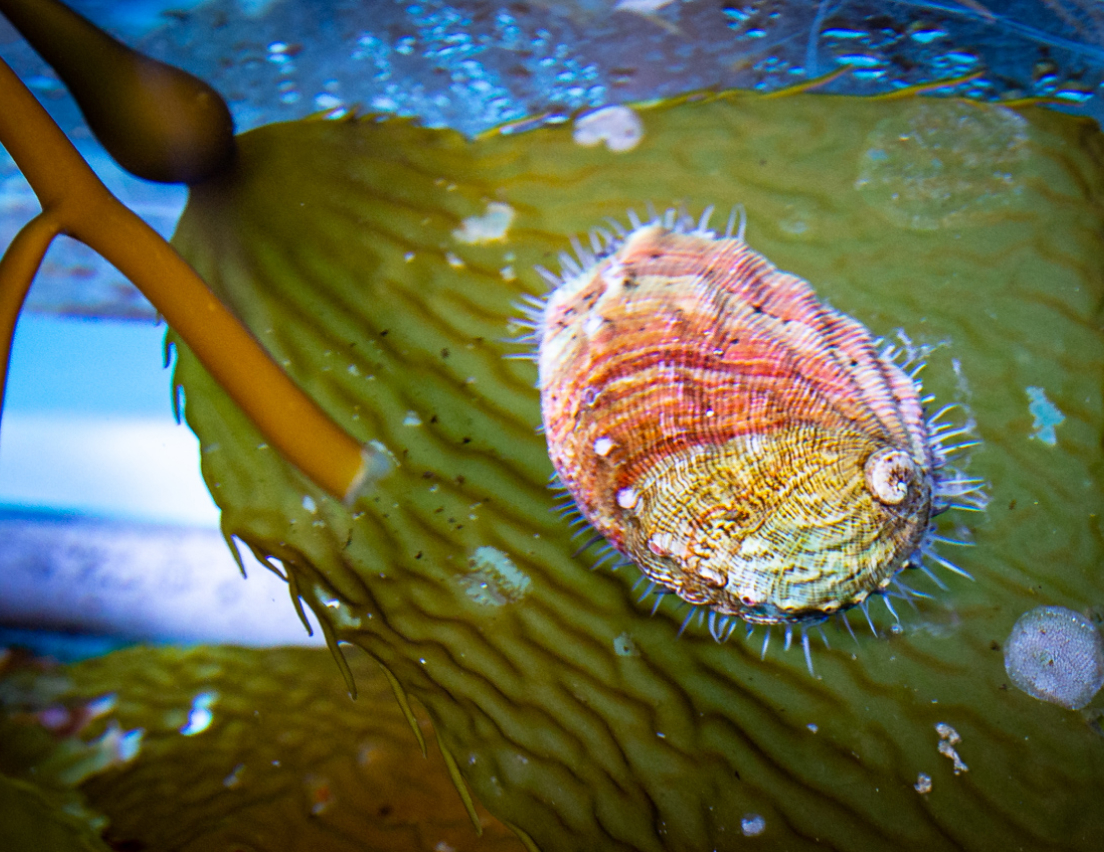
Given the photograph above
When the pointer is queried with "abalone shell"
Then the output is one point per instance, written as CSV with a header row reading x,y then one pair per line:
x,y
747,446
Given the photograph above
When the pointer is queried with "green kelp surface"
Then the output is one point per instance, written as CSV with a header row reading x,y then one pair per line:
x,y
33,818
571,711
220,749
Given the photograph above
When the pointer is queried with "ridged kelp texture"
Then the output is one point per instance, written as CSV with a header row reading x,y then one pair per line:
x,y
232,749
572,712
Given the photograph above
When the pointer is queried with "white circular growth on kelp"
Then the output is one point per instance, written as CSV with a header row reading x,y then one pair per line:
x,y
1056,655
942,164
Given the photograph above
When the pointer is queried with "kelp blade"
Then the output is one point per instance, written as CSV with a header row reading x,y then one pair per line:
x,y
572,711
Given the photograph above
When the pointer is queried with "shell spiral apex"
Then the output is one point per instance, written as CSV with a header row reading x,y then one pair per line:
x,y
750,448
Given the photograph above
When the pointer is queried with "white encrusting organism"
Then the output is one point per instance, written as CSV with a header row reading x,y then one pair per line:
x,y
619,127
1056,655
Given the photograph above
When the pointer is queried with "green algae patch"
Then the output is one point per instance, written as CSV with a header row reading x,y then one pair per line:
x,y
241,749
336,243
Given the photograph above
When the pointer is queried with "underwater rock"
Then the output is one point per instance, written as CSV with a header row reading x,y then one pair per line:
x,y
335,242
1056,655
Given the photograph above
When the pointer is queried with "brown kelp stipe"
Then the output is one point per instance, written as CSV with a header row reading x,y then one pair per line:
x,y
75,203
158,122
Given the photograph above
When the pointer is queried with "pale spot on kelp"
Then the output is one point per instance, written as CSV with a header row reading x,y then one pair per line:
x,y
115,747
1056,655
234,779
752,825
938,164
948,739
619,127
339,612
319,792
200,716
624,646
488,228
1046,414
494,579
378,461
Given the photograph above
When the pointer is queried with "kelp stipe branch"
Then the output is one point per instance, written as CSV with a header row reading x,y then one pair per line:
x,y
74,202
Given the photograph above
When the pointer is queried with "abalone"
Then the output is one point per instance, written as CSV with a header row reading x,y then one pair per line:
x,y
750,448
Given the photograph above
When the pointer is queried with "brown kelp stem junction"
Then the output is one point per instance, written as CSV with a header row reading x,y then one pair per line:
x,y
74,202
